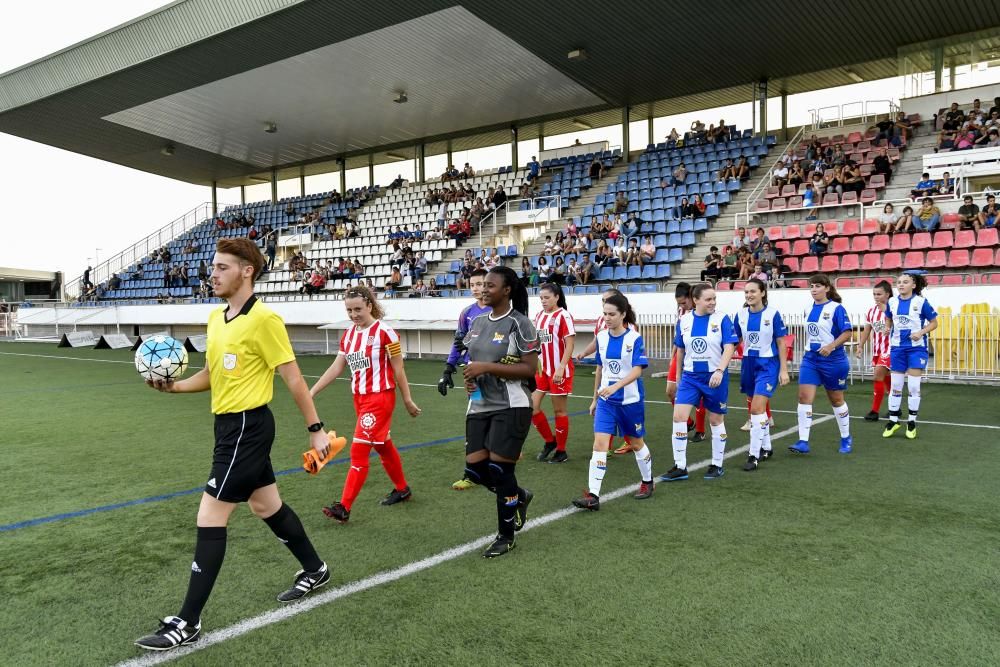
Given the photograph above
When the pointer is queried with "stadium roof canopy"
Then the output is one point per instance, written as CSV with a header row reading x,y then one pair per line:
x,y
207,76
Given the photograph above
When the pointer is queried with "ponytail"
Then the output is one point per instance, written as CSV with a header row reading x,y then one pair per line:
x,y
518,292
622,305
555,289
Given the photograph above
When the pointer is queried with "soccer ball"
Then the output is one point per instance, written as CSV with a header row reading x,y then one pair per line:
x,y
161,358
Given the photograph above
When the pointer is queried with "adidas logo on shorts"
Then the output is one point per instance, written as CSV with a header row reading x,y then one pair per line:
x,y
194,567
211,483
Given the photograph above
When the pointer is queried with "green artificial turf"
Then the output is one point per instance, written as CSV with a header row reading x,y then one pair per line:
x,y
886,556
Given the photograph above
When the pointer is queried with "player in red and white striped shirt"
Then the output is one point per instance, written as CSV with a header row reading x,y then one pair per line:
x,y
372,350
877,328
556,335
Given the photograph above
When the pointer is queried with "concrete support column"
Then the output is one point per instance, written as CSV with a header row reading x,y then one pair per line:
x,y
419,172
513,147
371,169
243,195
343,175
784,115
215,199
625,137
302,181
650,139
937,61
274,185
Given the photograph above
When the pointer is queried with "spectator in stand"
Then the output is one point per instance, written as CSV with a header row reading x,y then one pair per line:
x,y
534,169
397,182
809,200
968,214
549,248
680,175
745,262
544,270
647,251
768,258
837,158
114,282
743,169
620,251
988,216
271,250
886,132
596,169
167,275
758,273
419,266
671,139
928,217
571,269
684,210
86,282
757,244
499,198
697,130
394,280
317,284
621,204
631,226
853,180
779,177
633,256
581,244
819,243
138,273
740,240
730,264
604,256
905,223
465,274
432,289
946,186
882,165
788,157
306,285
949,129
887,220
584,270
966,140
468,171
418,290
924,187
727,171
712,269
990,139
698,206
558,275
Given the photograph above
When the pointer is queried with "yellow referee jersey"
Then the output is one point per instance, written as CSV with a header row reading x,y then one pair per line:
x,y
242,355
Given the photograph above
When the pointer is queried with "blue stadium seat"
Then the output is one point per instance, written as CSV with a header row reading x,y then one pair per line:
x,y
700,225
648,272
662,271
662,256
621,273
688,240
606,273
634,273
676,255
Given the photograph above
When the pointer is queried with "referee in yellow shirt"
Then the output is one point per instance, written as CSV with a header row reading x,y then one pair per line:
x,y
247,341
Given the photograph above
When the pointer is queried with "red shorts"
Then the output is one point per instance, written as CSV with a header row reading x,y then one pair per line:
x,y
374,416
545,384
881,360
672,373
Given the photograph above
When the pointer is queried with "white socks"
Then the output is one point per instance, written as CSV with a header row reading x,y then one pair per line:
x,y
805,421
644,460
718,444
843,420
896,397
913,397
758,431
598,465
681,445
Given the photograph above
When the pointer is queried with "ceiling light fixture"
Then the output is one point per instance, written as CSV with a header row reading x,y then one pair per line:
x,y
270,127
582,124
397,156
577,54
167,150
401,97
853,76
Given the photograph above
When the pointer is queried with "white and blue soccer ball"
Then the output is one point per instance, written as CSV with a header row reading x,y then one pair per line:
x,y
161,358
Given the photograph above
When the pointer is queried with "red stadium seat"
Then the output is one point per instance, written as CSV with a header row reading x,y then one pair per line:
x,y
775,233
810,228
792,232
848,198
850,263
850,227
800,248
868,195
871,262
958,259
763,205
952,279
831,227
900,242
841,244
865,282
740,285
991,279
800,284
810,264
877,181
881,242
795,202
789,190
982,257
772,192
913,260
831,264
860,244
950,220
965,238
792,263
779,204
864,145
921,241
997,260
944,240
869,226
853,138
866,169
831,198
722,286
987,238
933,280
936,259
892,261
782,247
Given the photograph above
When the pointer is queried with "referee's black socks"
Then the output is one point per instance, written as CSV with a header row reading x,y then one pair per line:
x,y
287,527
508,496
209,551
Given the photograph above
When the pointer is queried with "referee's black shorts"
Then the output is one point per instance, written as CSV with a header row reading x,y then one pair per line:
x,y
241,463
501,432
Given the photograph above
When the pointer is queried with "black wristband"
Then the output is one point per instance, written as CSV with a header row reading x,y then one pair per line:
x,y
315,428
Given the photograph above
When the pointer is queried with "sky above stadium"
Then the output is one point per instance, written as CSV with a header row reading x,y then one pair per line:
x,y
63,210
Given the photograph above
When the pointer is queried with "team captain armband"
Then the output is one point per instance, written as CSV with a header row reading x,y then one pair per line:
x,y
510,359
395,349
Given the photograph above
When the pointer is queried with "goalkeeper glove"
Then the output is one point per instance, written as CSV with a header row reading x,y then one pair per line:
x,y
446,383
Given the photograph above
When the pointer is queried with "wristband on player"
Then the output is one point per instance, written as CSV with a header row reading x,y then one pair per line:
x,y
315,428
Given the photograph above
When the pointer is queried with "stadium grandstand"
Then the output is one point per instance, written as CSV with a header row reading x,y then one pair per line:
x,y
628,146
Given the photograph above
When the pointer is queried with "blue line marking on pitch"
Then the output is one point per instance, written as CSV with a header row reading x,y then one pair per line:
x,y
187,492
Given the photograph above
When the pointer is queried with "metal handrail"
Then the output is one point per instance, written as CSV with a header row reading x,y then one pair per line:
x,y
143,247
842,115
765,181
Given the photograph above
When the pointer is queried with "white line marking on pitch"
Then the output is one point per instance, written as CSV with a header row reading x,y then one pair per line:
x,y
434,386
283,613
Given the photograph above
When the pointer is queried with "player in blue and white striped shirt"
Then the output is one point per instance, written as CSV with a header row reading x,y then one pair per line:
x,y
705,342
824,362
618,399
911,317
764,364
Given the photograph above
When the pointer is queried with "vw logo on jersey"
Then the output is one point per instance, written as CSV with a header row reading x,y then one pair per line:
x,y
813,329
754,338
614,367
904,321
699,345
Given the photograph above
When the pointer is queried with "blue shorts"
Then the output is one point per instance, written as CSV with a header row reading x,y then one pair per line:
x,y
693,389
902,359
991,220
817,370
759,376
620,419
